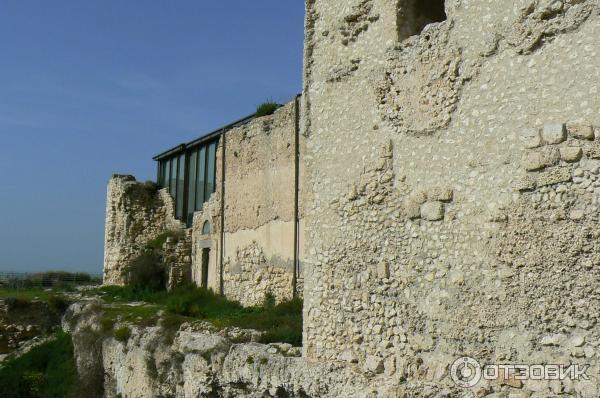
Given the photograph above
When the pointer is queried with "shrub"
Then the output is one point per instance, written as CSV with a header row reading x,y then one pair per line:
x,y
144,194
17,303
158,242
57,304
147,271
123,334
266,108
46,371
106,324
269,301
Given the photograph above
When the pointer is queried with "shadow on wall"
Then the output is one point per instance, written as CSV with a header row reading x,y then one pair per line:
x,y
415,15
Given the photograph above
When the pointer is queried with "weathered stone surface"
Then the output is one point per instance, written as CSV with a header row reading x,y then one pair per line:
x,y
135,214
432,211
554,176
554,133
531,137
539,159
462,104
571,154
580,130
440,194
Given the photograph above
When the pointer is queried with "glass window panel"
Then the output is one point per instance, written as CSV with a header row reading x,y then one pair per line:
x,y
200,180
173,177
191,201
210,171
180,187
164,173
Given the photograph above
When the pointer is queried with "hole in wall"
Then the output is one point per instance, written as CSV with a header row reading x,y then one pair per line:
x,y
415,15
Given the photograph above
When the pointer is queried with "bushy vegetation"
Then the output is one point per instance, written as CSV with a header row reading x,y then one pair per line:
x,y
123,334
47,371
281,322
266,108
147,271
145,194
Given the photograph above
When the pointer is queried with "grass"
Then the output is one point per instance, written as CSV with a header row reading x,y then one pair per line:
x,y
28,294
280,323
123,334
266,108
22,298
47,371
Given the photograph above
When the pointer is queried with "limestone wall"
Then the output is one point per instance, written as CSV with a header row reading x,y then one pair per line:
x,y
453,175
135,214
259,212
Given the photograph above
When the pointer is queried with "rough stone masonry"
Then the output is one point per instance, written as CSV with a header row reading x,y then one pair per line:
x,y
460,216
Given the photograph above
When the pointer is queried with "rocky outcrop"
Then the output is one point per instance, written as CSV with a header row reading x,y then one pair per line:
x,y
199,360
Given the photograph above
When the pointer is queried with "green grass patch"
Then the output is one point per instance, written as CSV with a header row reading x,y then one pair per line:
x,y
266,108
281,323
28,294
142,315
47,371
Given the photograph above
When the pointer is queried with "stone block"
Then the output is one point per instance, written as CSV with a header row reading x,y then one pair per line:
x,y
441,194
533,161
554,133
531,138
571,154
581,130
383,270
373,364
527,183
412,209
554,176
593,152
432,211
348,356
546,157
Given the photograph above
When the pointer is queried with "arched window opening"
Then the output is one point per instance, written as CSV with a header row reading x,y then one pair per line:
x,y
206,228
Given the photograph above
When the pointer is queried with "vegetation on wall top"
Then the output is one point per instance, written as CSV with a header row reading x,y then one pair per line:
x,y
266,108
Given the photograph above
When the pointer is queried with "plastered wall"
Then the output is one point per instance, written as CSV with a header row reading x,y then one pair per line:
x,y
453,174
259,212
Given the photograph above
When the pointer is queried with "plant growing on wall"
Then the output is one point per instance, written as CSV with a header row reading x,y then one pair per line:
x,y
266,108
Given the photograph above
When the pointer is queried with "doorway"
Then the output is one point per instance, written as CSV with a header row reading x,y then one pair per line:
x,y
205,263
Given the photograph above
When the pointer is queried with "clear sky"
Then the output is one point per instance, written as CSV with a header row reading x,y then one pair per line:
x,y
91,88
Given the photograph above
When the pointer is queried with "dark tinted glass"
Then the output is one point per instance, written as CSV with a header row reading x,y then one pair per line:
x,y
173,177
191,201
210,171
200,180
180,187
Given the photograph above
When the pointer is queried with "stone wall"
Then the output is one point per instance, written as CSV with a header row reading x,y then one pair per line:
x,y
453,176
135,214
259,212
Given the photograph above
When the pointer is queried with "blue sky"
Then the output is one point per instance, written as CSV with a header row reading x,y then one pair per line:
x,y
91,88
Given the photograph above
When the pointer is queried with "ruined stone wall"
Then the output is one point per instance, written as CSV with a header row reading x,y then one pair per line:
x,y
453,175
259,211
135,214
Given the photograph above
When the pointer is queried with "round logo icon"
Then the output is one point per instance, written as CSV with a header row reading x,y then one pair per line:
x,y
465,372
